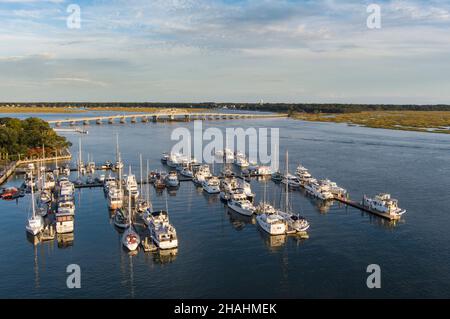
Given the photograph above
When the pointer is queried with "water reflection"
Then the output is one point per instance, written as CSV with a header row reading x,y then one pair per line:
x,y
65,240
272,242
165,256
239,221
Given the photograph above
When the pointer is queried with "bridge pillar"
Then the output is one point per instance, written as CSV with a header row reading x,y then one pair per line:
x,y
155,118
144,119
85,122
99,121
111,120
122,120
73,123
187,118
133,120
171,117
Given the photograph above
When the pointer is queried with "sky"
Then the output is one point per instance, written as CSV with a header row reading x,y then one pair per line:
x,y
301,51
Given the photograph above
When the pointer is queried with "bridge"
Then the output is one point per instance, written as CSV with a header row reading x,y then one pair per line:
x,y
155,117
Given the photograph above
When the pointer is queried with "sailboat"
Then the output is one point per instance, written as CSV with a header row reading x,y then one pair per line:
x,y
295,222
35,224
130,238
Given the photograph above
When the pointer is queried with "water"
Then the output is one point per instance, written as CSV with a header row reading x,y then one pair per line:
x,y
223,255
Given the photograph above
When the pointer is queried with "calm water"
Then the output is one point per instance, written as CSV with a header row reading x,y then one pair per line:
x,y
223,255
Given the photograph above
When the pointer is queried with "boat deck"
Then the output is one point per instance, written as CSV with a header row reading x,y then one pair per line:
x,y
359,206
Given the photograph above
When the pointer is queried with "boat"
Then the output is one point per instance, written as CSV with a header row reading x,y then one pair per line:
x,y
317,190
333,188
35,224
272,223
264,207
131,184
240,204
277,177
101,178
130,238
187,172
172,179
241,161
173,160
163,233
211,185
107,165
66,171
253,166
245,186
66,205
45,197
120,220
115,200
263,171
295,222
291,180
64,219
383,203
164,158
202,174
10,193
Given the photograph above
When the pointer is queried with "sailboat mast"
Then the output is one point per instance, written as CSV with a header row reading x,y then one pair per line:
x,y
287,181
129,198
32,197
140,163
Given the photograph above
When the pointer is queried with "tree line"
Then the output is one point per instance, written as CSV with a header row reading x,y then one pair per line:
x,y
26,136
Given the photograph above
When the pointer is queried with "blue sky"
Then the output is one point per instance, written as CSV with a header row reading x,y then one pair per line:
x,y
225,51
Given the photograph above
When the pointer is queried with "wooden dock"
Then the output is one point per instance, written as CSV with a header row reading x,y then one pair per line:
x,y
359,206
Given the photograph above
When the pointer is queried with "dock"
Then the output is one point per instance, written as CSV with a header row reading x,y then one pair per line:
x,y
359,206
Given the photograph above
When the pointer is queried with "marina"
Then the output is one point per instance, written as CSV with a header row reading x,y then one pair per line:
x,y
196,214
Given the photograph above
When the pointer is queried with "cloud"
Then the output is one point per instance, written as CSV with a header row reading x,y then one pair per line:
x,y
78,80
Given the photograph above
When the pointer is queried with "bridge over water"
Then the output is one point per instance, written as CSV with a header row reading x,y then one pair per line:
x,y
155,117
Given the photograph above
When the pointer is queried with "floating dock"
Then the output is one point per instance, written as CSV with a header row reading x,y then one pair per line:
x,y
359,206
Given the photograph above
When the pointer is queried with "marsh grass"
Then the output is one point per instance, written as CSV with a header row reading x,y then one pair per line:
x,y
422,121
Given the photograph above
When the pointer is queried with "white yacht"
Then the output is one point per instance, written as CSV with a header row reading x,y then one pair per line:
x,y
162,231
240,204
172,179
272,223
35,224
245,186
263,171
291,180
241,161
333,188
265,208
115,198
211,185
66,206
187,172
131,185
173,160
202,174
317,190
295,223
64,220
384,204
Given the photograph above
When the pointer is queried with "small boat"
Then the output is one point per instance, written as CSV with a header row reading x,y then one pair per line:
x,y
115,198
66,171
164,158
90,180
187,172
172,179
107,165
130,238
131,184
211,185
245,186
45,197
385,204
264,207
64,221
202,174
10,193
160,183
263,171
120,220
333,188
277,177
241,161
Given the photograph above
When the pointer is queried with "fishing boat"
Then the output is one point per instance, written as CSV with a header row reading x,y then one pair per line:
x,y
172,179
163,233
385,204
240,204
211,185
35,224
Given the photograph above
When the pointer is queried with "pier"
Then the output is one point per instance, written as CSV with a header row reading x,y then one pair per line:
x,y
161,116
365,209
